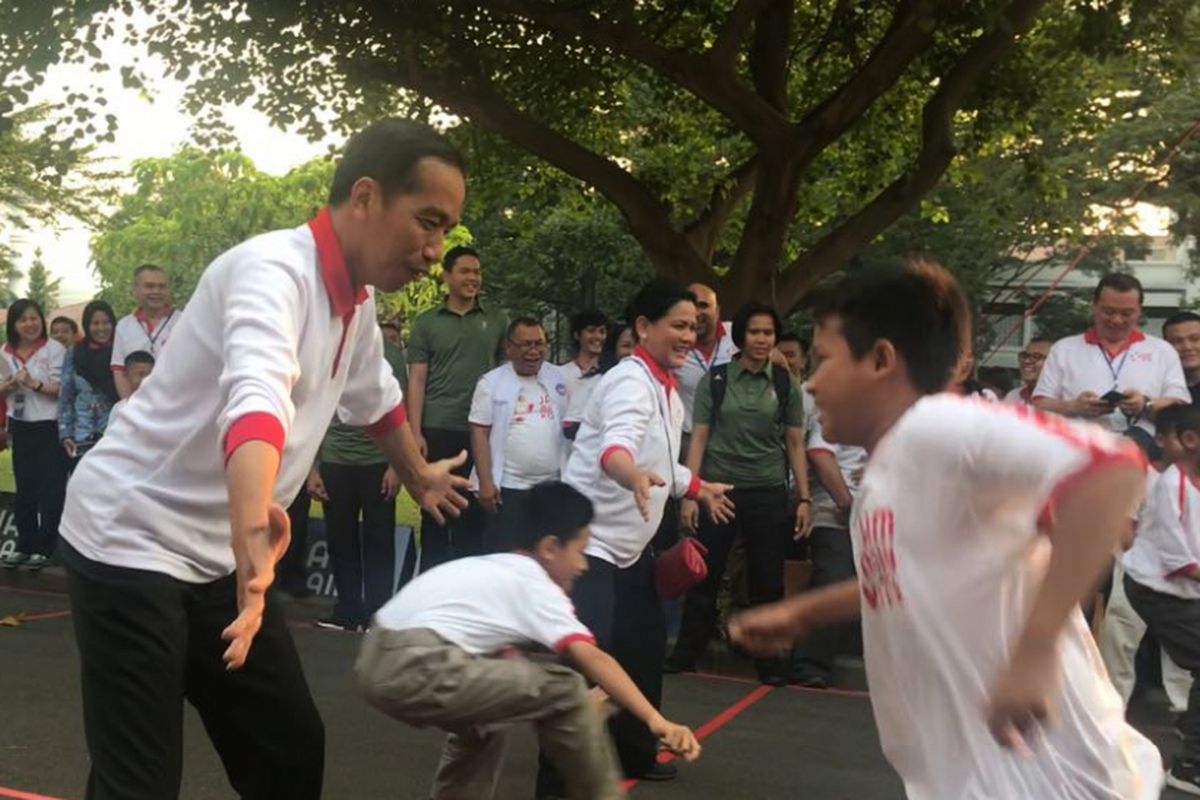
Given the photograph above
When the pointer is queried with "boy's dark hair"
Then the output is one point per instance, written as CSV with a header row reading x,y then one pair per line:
x,y
793,336
1178,318
388,151
70,323
139,357
551,508
608,356
137,273
588,318
920,309
15,312
522,322
1177,419
655,300
1119,282
742,319
455,253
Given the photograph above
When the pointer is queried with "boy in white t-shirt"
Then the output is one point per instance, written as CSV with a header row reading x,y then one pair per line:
x,y
1162,575
434,658
985,681
138,366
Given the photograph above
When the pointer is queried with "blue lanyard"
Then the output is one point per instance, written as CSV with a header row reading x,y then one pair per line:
x,y
1116,373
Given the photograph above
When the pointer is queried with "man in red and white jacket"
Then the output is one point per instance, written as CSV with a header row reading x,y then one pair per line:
x,y
175,520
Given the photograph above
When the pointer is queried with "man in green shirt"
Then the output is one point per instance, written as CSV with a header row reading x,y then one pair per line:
x,y
450,347
750,440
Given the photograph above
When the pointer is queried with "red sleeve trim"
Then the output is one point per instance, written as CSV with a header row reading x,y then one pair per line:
x,y
1100,460
1190,569
814,450
609,451
118,367
693,490
566,641
388,422
255,426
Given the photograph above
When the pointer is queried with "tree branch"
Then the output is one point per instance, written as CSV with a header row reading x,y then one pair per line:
x,y
737,24
937,151
706,228
769,53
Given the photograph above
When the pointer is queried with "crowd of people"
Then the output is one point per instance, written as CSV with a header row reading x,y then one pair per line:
x,y
552,496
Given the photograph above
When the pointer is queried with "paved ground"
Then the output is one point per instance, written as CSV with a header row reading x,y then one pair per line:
x,y
759,742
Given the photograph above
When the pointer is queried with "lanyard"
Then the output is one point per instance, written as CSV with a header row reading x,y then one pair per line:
x,y
712,356
1114,371
162,326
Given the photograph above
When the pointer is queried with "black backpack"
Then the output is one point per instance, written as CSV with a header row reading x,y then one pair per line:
x,y
718,377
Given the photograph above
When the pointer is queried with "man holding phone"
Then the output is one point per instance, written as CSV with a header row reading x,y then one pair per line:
x,y
1113,373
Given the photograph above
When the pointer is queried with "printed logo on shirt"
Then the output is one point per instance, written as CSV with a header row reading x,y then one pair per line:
x,y
877,564
561,388
1144,358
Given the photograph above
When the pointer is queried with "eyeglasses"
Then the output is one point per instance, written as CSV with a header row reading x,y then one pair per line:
x,y
1025,355
531,345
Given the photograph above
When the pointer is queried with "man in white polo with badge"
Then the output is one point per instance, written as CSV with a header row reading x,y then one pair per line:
x,y
148,327
1113,374
714,346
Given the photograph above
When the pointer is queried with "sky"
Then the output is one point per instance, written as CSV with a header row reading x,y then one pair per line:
x,y
147,127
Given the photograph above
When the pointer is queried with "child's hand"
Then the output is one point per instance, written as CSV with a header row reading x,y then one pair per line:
x,y
679,739
1021,701
769,629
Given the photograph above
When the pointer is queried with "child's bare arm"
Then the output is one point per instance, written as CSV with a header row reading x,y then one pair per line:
x,y
603,669
767,629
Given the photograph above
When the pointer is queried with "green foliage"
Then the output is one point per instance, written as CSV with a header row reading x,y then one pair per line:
x,y
41,288
10,276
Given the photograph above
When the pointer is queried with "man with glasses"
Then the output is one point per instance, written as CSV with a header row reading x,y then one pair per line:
x,y
516,419
1113,374
1030,360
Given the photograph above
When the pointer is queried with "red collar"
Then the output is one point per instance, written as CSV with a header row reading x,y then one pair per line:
x,y
12,351
667,379
139,314
343,297
707,353
1092,337
1027,395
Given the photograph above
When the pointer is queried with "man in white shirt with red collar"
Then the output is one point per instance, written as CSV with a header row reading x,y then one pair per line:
x,y
148,327
1031,360
1113,374
175,520
714,346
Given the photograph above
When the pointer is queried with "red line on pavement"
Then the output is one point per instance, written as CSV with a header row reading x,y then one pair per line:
x,y
23,590
45,615
712,676
19,795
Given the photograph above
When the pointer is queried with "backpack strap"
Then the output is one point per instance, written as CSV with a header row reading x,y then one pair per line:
x,y
783,393
716,384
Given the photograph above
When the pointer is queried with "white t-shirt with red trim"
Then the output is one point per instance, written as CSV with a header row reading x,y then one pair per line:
x,y
949,562
274,341
698,364
136,332
1020,396
44,364
1079,364
851,462
485,604
1166,550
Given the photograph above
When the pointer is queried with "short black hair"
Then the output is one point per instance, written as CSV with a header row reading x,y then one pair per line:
x,y
139,357
455,253
388,152
15,312
74,326
793,336
551,508
655,300
608,356
92,309
1178,418
1046,339
742,319
920,309
137,273
588,318
1178,318
1119,282
522,322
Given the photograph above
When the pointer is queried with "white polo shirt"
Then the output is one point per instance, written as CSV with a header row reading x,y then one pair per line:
x,y
44,364
484,604
1080,363
1166,549
1020,396
698,365
274,341
949,562
851,462
636,408
580,385
136,332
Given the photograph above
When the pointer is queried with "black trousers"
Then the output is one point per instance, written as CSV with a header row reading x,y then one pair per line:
x,y
363,554
762,523
623,610
40,469
832,557
1175,622
293,572
146,642
458,537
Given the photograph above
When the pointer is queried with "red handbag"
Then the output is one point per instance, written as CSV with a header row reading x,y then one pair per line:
x,y
680,568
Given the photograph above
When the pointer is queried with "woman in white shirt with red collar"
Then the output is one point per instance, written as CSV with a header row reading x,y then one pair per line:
x,y
625,459
32,370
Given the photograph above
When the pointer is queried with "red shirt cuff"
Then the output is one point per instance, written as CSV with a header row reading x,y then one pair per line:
x,y
1190,569
1127,454
608,453
566,641
693,490
814,450
388,422
255,426
117,367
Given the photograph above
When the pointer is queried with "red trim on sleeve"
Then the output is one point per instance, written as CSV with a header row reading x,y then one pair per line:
x,y
693,490
388,422
118,367
255,426
608,453
1099,460
566,641
1189,570
813,450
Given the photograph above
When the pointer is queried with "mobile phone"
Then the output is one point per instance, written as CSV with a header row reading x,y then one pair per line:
x,y
1113,398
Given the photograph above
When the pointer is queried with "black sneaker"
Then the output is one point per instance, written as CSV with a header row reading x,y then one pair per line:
x,y
659,773
1185,777
810,681
331,624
